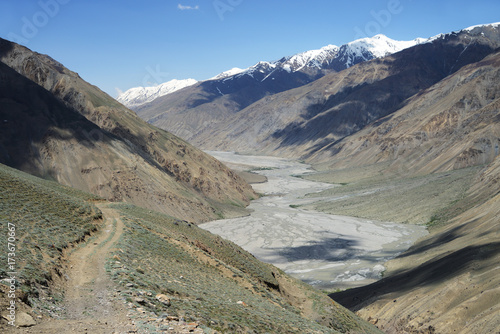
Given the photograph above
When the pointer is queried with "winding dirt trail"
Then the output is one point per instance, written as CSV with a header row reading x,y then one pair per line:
x,y
90,306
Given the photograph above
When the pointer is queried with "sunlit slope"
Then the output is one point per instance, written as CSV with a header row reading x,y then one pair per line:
x,y
56,125
448,282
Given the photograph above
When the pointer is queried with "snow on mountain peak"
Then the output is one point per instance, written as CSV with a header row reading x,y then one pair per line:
x,y
493,25
466,30
138,96
229,73
377,46
312,58
381,45
347,55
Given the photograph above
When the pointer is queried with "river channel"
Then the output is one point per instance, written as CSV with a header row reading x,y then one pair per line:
x,y
323,250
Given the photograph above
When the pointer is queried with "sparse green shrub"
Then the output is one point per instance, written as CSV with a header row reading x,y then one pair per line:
x,y
166,250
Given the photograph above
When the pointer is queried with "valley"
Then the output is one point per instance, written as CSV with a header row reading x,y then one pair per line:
x,y
327,251
363,197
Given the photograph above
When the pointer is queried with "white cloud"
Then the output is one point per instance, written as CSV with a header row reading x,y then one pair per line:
x,y
182,7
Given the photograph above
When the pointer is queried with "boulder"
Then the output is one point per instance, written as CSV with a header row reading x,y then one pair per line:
x,y
24,320
163,299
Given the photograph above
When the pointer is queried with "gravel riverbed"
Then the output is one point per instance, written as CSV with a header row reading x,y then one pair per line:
x,y
326,251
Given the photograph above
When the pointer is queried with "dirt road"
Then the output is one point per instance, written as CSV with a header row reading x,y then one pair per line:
x,y
90,304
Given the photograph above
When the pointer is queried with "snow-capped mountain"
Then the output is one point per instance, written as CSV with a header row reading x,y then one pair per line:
x,y
332,56
138,96
312,58
309,59
375,47
307,66
226,74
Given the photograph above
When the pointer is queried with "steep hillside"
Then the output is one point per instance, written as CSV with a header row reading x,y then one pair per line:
x,y
201,106
430,151
313,118
451,125
448,282
155,265
57,126
44,218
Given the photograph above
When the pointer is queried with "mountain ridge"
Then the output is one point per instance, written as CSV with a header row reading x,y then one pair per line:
x,y
188,111
81,137
319,59
310,118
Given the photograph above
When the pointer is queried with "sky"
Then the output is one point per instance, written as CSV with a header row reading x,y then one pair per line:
x,y
117,45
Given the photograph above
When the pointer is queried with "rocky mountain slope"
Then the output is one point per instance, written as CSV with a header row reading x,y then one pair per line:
x,y
313,118
188,111
447,282
451,125
56,125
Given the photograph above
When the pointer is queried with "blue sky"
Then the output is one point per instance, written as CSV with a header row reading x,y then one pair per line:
x,y
117,45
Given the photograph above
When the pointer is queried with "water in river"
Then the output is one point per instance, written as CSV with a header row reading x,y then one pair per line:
x,y
326,251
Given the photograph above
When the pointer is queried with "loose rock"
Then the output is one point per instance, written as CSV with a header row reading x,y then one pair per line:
x,y
163,299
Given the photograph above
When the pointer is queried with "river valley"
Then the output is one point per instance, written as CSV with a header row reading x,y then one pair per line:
x,y
326,251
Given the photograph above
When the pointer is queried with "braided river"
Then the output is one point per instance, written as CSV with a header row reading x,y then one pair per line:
x,y
326,251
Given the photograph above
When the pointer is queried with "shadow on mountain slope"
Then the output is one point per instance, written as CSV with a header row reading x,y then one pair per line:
x,y
361,103
437,270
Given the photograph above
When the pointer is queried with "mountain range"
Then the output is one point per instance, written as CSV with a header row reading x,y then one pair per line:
x,y
188,111
241,113
328,57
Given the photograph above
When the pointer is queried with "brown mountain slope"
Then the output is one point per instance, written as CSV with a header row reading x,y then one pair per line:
x,y
84,265
110,151
453,124
449,281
